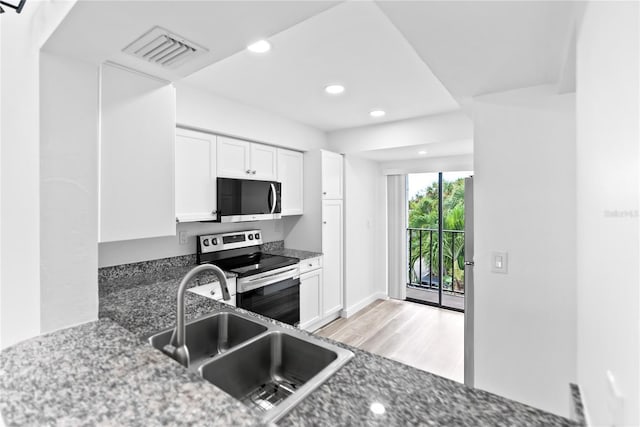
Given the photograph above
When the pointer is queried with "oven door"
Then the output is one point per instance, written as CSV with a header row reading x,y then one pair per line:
x,y
279,301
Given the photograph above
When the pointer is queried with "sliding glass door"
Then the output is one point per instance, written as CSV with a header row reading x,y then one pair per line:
x,y
435,239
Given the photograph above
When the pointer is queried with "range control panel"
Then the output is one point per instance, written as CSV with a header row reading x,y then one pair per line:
x,y
220,242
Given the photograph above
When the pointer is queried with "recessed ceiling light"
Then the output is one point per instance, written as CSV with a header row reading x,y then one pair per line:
x,y
377,113
334,89
422,152
261,46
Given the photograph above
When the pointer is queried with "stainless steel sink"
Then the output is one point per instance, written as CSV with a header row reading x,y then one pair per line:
x,y
212,335
268,367
267,371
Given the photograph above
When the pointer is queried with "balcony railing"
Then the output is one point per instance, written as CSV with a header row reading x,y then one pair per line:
x,y
424,262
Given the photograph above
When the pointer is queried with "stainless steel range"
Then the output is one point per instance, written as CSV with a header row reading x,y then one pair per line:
x,y
266,284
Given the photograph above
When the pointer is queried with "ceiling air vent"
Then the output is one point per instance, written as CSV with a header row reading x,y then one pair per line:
x,y
164,48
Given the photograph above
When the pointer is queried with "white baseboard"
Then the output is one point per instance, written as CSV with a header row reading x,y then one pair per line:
x,y
353,309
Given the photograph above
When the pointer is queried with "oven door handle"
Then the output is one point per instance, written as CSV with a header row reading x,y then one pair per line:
x,y
274,198
270,279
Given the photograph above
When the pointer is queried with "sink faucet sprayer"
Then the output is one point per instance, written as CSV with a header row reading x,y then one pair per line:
x,y
177,347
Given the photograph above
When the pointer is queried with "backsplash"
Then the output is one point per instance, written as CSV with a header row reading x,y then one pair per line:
x,y
272,246
144,267
140,250
152,266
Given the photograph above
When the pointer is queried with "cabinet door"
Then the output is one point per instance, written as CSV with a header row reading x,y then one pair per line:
x,y
310,298
195,176
332,175
137,143
290,174
263,162
332,256
233,158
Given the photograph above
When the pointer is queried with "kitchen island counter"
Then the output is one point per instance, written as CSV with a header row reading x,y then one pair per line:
x,y
368,390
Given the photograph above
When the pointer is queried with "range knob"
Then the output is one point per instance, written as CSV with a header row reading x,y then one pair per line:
x,y
250,236
257,236
214,241
205,242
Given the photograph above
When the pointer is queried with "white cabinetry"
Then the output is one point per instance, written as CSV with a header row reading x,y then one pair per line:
x,y
290,174
310,293
246,160
137,131
321,227
332,244
332,175
233,158
195,176
263,162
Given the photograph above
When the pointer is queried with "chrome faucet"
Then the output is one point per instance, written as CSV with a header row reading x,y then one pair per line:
x,y
177,348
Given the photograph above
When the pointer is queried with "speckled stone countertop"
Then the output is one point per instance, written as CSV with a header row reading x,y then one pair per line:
x,y
294,253
277,248
100,374
410,396
145,303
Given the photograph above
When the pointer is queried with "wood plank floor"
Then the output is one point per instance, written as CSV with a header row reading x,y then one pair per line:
x,y
428,338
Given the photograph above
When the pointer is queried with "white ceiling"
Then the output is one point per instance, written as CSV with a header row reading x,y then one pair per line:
x,y
97,31
479,47
410,58
424,151
353,44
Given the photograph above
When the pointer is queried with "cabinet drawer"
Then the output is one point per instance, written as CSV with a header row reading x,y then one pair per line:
x,y
310,264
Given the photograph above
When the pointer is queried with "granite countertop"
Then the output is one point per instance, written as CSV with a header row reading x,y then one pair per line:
x,y
294,253
145,303
99,373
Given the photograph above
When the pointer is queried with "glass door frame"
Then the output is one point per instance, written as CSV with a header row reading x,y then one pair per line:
x,y
440,249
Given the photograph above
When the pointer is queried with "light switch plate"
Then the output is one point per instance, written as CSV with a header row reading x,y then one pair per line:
x,y
182,237
499,262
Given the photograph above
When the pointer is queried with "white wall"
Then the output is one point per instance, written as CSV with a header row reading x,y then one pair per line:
x,y
22,37
438,128
364,233
206,111
524,164
68,192
608,74
116,253
429,164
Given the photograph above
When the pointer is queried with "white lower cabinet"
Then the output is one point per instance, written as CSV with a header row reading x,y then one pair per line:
x,y
332,244
310,299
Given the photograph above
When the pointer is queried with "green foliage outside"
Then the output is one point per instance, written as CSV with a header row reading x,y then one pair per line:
x,y
423,214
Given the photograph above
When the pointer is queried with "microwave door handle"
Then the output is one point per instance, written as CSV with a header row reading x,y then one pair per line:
x,y
273,197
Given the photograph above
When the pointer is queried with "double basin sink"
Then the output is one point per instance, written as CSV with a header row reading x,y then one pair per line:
x,y
267,367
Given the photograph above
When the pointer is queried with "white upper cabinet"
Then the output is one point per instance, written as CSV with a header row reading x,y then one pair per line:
x,y
233,158
332,175
137,131
290,174
246,160
263,162
195,176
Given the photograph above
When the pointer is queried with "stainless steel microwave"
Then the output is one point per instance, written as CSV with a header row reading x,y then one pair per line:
x,y
248,200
